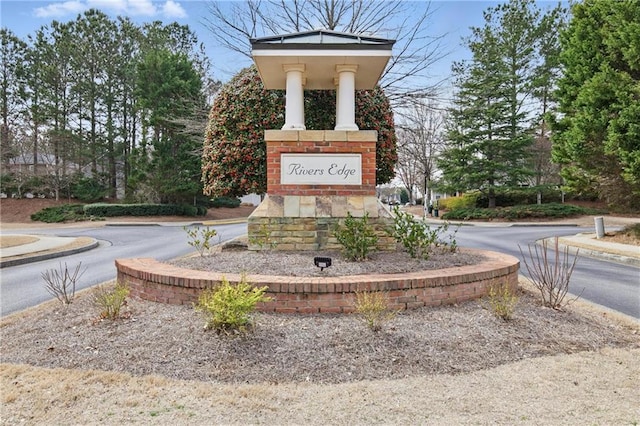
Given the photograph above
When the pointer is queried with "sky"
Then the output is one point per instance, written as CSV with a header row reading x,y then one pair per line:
x,y
451,18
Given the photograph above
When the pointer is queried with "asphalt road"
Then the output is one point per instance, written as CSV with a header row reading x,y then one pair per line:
x,y
609,284
23,286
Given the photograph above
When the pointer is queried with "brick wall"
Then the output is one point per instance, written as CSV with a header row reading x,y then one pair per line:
x,y
321,142
159,282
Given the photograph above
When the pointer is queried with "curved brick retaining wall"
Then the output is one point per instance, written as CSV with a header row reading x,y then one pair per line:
x,y
160,282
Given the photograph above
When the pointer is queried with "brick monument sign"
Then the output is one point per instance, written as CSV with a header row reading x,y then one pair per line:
x,y
316,178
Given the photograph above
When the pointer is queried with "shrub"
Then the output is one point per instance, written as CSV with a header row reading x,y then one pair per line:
x,y
463,202
61,283
373,309
111,210
230,202
404,196
88,190
8,184
356,237
227,306
533,211
517,196
57,214
417,238
110,301
502,301
200,238
550,274
188,210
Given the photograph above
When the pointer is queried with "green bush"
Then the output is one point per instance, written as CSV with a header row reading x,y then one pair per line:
x,y
417,238
230,202
506,197
356,237
88,190
200,238
453,203
111,210
404,196
110,300
35,185
62,213
533,211
8,184
227,306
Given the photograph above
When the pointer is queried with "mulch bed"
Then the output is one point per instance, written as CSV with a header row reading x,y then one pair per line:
x,y
171,341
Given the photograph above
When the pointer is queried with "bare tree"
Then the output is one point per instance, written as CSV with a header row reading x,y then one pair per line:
x,y
233,24
419,142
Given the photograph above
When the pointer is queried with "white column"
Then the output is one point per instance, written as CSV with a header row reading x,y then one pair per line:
x,y
294,106
336,82
346,98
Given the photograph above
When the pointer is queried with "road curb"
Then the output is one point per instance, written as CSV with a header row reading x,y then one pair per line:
x,y
46,256
593,252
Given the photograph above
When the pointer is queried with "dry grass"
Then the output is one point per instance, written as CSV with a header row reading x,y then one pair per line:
x,y
457,364
564,390
7,241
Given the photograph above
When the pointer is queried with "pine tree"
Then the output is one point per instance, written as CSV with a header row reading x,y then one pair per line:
x,y
489,124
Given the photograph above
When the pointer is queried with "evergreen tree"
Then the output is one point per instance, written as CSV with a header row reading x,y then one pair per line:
x,y
13,52
168,162
597,136
489,125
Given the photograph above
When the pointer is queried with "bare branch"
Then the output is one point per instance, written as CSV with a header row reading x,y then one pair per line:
x,y
407,76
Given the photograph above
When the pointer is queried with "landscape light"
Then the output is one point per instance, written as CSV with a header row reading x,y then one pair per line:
x,y
322,262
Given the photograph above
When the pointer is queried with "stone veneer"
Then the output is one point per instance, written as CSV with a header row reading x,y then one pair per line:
x,y
160,282
306,222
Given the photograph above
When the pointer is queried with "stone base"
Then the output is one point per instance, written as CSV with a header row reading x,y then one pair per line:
x,y
292,222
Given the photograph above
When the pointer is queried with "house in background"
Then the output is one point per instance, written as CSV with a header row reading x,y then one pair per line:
x,y
46,165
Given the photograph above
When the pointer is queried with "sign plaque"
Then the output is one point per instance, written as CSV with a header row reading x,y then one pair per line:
x,y
321,169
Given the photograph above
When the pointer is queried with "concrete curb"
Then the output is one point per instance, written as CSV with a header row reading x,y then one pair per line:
x,y
46,256
593,252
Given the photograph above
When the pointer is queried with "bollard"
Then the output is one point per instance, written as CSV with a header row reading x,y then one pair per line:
x,y
599,227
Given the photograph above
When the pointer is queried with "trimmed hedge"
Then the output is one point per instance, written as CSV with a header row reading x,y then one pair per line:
x,y
519,196
230,202
111,210
534,211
